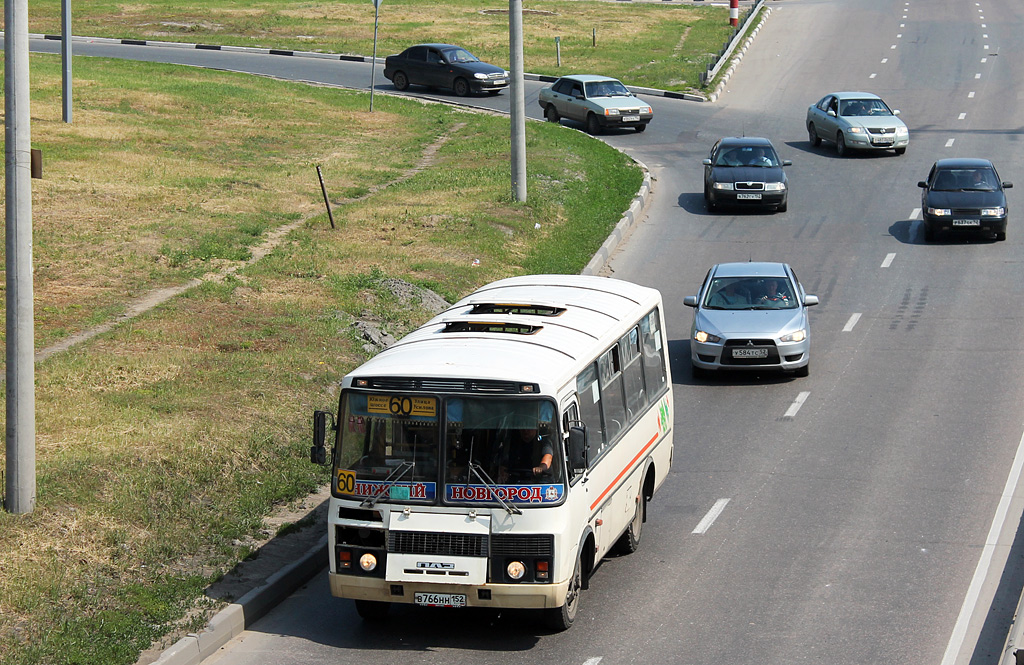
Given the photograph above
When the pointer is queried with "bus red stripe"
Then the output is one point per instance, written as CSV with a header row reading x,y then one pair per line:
x,y
623,472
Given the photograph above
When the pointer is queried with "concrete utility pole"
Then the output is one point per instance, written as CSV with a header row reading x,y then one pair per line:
x,y
20,496
517,112
65,55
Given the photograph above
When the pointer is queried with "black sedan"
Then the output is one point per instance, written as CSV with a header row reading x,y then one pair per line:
x,y
745,171
964,196
444,66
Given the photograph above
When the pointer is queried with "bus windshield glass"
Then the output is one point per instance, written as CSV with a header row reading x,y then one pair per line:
x,y
493,448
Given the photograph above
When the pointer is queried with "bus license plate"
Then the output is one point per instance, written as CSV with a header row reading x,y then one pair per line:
x,y
966,222
440,599
750,353
753,197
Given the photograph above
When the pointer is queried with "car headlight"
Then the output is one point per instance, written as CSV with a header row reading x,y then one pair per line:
x,y
939,212
993,212
774,186
724,185
480,75
856,130
902,131
611,111
795,336
646,109
705,337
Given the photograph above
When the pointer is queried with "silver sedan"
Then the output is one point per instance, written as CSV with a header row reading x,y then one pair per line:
x,y
750,316
857,120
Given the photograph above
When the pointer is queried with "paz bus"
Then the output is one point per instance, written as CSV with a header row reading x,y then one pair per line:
x,y
493,456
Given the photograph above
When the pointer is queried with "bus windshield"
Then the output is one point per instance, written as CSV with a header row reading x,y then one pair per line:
x,y
393,446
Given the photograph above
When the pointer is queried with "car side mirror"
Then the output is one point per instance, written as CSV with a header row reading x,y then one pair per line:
x,y
922,183
690,301
578,95
706,162
787,162
832,113
895,111
1007,185
810,301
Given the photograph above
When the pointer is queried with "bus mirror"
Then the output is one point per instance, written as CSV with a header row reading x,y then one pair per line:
x,y
318,451
578,448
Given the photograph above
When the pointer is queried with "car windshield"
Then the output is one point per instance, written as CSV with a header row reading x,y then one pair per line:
x,y
460,55
763,156
750,293
607,89
859,107
965,180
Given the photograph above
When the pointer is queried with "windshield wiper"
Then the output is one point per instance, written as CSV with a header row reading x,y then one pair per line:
x,y
390,481
479,472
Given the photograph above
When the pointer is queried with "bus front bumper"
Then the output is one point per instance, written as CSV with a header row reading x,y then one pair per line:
x,y
529,596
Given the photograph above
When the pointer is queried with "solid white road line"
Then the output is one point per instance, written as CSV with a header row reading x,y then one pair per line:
x,y
974,590
712,515
888,259
797,403
852,322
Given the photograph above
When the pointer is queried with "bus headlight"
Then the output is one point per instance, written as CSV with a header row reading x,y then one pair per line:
x,y
516,570
368,562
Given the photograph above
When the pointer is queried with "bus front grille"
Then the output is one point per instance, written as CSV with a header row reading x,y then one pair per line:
x,y
523,545
425,542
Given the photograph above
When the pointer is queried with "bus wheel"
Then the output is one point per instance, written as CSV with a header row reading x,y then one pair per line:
x,y
630,540
372,610
561,618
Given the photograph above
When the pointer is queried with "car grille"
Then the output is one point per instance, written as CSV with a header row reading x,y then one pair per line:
x,y
966,212
773,352
494,77
885,131
749,186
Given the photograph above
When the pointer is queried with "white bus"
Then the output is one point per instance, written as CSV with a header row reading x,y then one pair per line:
x,y
493,456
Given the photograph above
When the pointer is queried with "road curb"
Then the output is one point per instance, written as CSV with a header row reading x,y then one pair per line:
x,y
236,617
629,219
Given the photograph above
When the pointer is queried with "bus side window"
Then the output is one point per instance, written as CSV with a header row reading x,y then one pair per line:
x,y
613,405
633,373
653,353
589,393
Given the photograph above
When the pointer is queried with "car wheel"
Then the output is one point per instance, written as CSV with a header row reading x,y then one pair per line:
x,y
562,618
840,144
401,81
812,135
783,207
461,87
551,114
900,151
640,128
1000,236
372,610
629,542
803,371
699,372
593,125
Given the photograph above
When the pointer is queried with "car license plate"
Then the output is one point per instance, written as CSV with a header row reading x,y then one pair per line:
x,y
440,599
750,353
883,141
966,222
500,81
630,118
752,197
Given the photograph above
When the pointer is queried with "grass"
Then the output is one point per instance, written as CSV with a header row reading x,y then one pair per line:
x,y
163,444
650,44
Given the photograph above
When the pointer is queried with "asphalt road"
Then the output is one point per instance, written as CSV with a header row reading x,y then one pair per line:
x,y
861,500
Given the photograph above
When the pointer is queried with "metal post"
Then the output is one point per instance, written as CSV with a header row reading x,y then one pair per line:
x,y
517,110
734,12
65,55
373,63
20,480
558,51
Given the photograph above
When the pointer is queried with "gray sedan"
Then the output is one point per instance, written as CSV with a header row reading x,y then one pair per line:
x,y
750,316
598,102
858,120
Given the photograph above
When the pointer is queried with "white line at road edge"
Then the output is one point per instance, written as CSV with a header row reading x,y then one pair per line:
x,y
852,322
797,403
888,259
712,515
956,640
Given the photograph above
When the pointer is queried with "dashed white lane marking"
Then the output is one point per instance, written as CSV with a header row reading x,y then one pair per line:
x,y
797,403
983,25
592,661
977,76
949,143
984,36
899,36
712,515
961,116
984,60
885,60
852,322
873,76
888,259
969,607
970,95
914,213
892,47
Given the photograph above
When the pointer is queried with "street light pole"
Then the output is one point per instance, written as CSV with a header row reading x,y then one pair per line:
x,y
517,110
20,483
